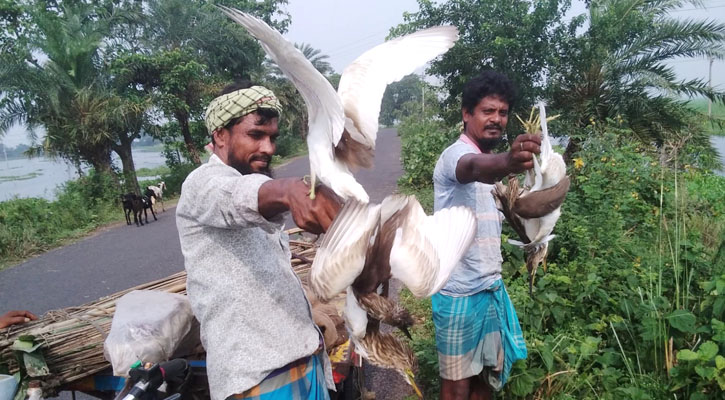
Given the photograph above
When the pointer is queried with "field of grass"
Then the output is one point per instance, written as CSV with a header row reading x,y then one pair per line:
x,y
718,113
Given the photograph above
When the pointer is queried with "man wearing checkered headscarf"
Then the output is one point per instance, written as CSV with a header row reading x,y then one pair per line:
x,y
230,109
256,324
239,103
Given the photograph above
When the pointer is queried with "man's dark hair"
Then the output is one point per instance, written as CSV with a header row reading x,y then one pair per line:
x,y
265,114
487,83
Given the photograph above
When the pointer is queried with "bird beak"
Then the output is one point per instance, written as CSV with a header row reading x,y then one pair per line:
x,y
405,331
411,380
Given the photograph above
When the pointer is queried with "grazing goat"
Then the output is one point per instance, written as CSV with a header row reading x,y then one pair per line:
x,y
158,192
132,203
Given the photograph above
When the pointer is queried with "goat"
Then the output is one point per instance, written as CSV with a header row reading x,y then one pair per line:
x,y
147,203
158,192
132,203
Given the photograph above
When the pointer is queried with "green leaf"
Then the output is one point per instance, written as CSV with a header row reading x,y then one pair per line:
x,y
720,362
547,357
706,372
708,351
686,355
683,321
589,346
718,306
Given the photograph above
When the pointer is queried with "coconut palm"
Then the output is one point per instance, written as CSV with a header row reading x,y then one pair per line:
x,y
618,70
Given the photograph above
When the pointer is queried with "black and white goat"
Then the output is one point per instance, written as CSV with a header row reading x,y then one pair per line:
x,y
158,193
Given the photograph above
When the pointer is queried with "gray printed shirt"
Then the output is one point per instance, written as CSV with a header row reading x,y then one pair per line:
x,y
480,267
253,312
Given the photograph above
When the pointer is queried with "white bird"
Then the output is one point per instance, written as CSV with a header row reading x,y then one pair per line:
x,y
534,211
343,125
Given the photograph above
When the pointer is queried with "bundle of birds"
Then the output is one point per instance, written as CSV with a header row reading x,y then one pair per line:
x,y
358,252
368,244
532,210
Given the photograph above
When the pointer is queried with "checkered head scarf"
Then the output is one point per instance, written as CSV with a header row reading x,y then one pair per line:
x,y
238,104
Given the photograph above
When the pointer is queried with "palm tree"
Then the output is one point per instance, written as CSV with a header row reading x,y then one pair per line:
x,y
617,69
69,94
315,56
318,60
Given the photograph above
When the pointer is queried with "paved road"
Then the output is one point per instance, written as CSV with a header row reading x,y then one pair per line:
x,y
120,256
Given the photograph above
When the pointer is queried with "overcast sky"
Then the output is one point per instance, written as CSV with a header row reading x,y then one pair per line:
x,y
344,29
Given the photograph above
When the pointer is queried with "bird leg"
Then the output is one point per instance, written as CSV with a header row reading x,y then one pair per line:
x,y
311,183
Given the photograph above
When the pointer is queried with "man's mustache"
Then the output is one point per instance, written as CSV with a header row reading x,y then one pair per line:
x,y
493,126
264,158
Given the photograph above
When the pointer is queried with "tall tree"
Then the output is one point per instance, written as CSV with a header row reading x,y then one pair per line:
x,y
61,94
68,90
516,37
616,70
188,51
410,88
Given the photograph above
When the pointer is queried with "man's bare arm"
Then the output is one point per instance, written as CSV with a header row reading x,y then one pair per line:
x,y
489,168
280,195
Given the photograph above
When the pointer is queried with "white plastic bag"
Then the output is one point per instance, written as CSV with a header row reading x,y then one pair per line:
x,y
148,325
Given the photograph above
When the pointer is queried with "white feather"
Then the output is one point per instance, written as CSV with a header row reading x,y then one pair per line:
x,y
545,174
363,82
427,248
341,256
356,319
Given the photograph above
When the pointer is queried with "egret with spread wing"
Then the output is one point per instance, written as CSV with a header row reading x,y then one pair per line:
x,y
343,125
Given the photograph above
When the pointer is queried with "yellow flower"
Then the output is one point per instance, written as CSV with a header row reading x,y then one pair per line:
x,y
604,159
578,163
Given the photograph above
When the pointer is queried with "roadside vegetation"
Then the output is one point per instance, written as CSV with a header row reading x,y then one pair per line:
x,y
631,302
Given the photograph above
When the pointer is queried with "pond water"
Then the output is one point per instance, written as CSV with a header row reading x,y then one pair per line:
x,y
40,177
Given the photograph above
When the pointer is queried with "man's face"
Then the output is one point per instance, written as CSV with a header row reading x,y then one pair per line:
x,y
487,122
248,147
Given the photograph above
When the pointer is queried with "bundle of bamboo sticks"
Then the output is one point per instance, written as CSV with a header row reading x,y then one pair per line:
x,y
72,338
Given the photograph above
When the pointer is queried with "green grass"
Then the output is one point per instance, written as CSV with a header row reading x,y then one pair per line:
x,y
158,171
718,113
25,177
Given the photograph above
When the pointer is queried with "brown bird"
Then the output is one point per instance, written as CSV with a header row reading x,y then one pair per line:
x,y
368,244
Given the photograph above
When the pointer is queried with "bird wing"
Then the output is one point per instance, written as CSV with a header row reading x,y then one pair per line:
x,y
324,108
341,255
363,82
451,230
426,249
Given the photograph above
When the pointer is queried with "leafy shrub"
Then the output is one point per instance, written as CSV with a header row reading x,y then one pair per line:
x,y
28,226
176,177
630,301
423,140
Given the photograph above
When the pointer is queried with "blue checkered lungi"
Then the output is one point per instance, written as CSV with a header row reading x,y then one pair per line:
x,y
478,334
300,380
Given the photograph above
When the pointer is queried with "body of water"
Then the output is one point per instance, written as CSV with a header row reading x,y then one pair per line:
x,y
40,177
